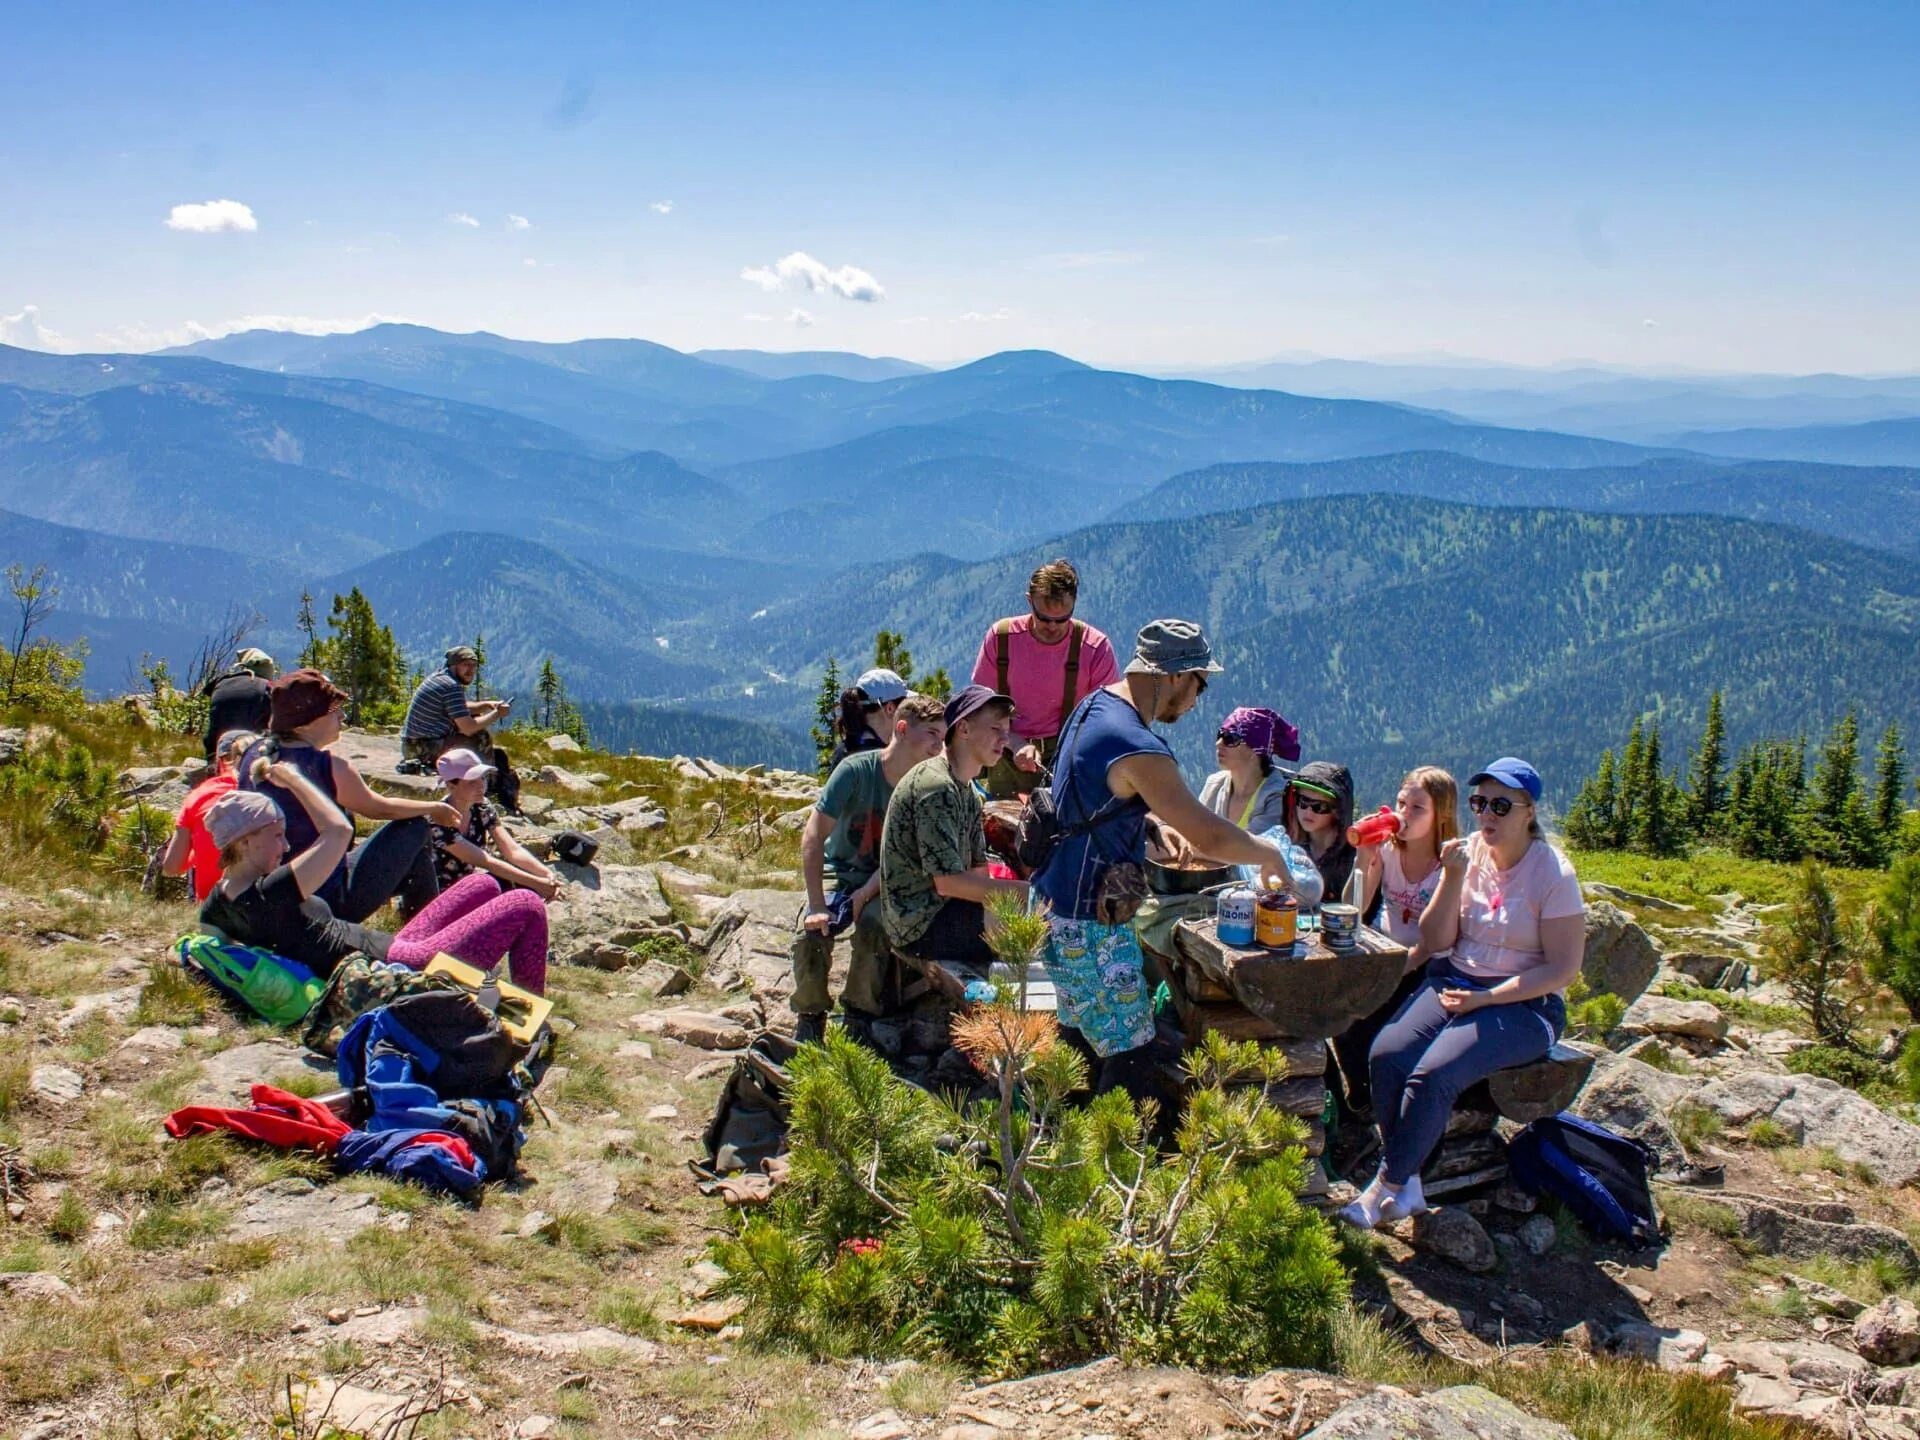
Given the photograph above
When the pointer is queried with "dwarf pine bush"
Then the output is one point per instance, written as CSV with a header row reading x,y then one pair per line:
x,y
1027,1231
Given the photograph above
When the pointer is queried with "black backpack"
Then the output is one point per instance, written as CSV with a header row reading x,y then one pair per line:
x,y
1598,1175
1041,829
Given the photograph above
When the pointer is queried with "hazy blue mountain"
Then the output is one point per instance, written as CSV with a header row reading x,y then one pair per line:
x,y
1868,505
1397,629
333,475
648,729
789,364
1590,399
603,632
643,396
131,597
1879,442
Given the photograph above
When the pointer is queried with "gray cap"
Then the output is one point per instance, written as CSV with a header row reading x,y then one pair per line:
x,y
258,661
1172,647
462,652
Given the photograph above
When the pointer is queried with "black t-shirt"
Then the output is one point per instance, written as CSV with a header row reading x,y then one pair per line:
x,y
238,701
270,914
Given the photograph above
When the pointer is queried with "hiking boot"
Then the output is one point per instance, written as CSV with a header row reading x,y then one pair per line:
x,y
809,1029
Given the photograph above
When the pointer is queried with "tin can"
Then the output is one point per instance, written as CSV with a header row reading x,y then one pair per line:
x,y
1234,923
1276,921
1340,926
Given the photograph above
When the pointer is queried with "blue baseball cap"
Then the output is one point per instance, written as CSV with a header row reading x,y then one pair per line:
x,y
1512,772
882,687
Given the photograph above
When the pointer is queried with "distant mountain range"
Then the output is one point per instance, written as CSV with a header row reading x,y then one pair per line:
x,y
1879,507
1877,442
1594,400
690,536
1397,630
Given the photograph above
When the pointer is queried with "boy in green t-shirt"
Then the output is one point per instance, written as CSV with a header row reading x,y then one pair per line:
x,y
842,840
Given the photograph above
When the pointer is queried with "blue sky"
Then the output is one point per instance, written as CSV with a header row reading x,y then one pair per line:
x,y
1731,186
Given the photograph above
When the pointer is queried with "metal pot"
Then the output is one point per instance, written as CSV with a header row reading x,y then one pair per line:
x,y
1165,880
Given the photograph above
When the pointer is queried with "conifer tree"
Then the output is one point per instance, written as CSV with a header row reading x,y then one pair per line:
x,y
1812,953
1889,784
1707,789
1656,816
890,653
826,706
548,689
362,657
1896,933
309,627
1633,780
1590,818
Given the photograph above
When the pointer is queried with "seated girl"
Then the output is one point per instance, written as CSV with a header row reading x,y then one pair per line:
x,y
265,899
1246,789
191,851
865,721
483,841
1319,810
1507,932
396,861
1401,878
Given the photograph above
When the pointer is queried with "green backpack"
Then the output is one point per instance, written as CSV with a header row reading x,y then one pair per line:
x,y
273,987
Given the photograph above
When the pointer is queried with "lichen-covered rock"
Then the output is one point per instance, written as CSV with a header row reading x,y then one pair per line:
x,y
1621,958
1662,1015
1452,1234
1461,1412
1818,1111
1889,1333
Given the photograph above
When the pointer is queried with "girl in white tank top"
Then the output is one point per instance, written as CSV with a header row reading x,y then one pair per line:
x,y
1405,872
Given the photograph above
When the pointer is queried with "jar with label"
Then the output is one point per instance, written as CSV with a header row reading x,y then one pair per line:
x,y
1276,920
1234,922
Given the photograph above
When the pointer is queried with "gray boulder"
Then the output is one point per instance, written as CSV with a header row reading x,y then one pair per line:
x,y
1798,1231
1461,1412
1454,1235
1818,1111
597,903
1633,1099
1889,1333
1621,957
1661,1015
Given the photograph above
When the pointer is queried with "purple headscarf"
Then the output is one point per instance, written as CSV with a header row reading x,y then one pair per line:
x,y
1265,732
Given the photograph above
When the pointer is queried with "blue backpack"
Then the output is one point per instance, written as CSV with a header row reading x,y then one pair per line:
x,y
1598,1175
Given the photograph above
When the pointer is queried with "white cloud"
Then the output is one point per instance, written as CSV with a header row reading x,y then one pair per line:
x,y
977,317
25,331
1092,259
210,217
800,318
661,207
801,271
531,264
1651,324
460,217
519,222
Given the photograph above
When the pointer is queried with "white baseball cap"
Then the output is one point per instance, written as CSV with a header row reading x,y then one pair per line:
x,y
461,765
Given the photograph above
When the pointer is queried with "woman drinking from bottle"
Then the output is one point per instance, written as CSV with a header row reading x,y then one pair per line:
x,y
1402,873
1506,931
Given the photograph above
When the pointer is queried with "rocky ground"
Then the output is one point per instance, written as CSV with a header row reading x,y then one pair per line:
x,y
149,1287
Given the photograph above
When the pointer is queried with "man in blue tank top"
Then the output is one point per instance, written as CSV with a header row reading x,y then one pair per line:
x,y
1113,771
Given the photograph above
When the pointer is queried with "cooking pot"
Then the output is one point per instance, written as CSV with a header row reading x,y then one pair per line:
x,y
1166,880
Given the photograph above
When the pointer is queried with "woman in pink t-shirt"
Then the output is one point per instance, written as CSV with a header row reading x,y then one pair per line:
x,y
1507,932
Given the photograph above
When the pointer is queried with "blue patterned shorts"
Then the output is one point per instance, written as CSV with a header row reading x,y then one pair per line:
x,y
1099,974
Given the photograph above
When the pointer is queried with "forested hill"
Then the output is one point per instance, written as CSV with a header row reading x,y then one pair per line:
x,y
1871,505
1396,629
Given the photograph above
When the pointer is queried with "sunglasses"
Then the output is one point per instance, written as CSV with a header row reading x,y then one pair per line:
x,y
1201,676
1500,805
1231,741
1040,619
1318,807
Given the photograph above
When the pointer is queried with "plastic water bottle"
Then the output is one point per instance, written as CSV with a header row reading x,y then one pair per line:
x,y
1303,876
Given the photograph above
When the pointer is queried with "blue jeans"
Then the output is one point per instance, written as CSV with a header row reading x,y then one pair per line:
x,y
1425,1057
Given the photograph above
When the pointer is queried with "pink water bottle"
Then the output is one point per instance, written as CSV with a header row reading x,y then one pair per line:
x,y
1374,829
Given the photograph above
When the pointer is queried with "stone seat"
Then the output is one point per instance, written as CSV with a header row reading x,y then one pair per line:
x,y
1533,1091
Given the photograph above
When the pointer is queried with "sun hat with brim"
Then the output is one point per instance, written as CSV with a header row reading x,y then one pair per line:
x,y
971,701
1514,773
461,765
255,660
1172,647
882,687
239,813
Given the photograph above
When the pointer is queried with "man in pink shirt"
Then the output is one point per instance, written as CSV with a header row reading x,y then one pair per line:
x,y
1048,662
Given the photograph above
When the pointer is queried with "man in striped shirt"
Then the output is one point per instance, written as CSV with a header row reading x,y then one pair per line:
x,y
440,717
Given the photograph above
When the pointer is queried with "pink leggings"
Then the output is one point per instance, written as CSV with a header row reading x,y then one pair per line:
x,y
476,923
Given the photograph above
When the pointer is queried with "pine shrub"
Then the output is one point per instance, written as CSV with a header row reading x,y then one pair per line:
x,y
1028,1231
